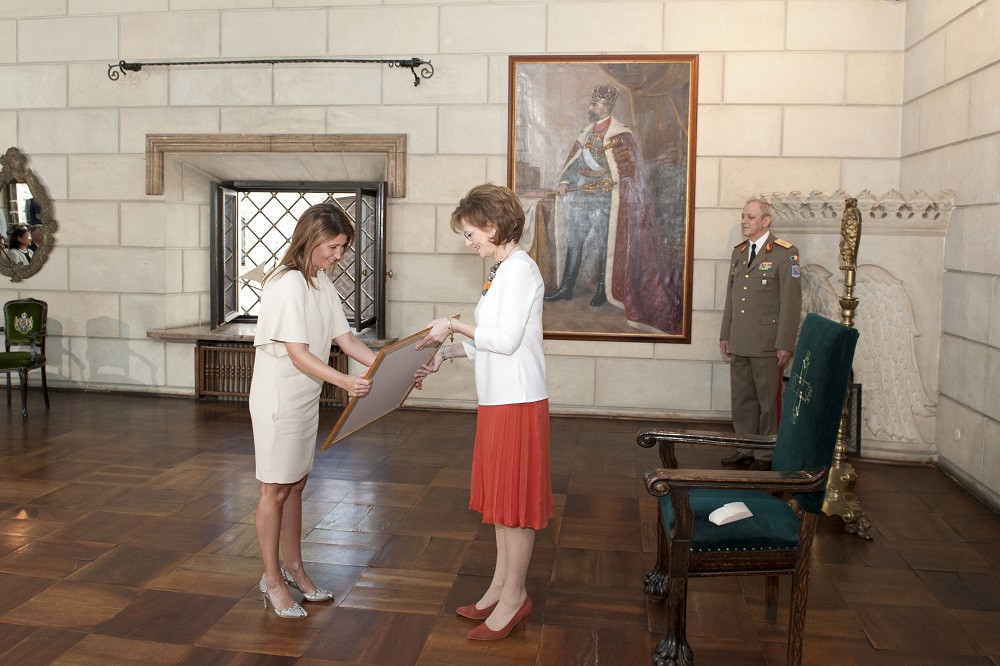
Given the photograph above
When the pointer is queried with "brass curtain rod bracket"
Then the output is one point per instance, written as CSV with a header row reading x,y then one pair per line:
x,y
426,70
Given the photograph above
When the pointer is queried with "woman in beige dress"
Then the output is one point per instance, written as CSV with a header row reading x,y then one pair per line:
x,y
300,314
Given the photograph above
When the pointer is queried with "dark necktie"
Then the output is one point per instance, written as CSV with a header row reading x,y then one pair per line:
x,y
753,253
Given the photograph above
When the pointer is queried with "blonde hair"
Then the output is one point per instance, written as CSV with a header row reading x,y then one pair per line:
x,y
318,224
493,206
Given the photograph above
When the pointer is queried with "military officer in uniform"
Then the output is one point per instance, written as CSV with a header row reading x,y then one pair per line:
x,y
759,325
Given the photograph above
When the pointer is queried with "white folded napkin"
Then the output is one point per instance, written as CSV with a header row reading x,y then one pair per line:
x,y
728,513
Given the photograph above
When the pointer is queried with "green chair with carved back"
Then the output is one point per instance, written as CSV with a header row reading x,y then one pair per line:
x,y
25,322
785,502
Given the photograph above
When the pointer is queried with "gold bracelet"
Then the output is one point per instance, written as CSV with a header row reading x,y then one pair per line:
x,y
451,331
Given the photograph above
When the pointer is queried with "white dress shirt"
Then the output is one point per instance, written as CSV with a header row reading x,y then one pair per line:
x,y
757,244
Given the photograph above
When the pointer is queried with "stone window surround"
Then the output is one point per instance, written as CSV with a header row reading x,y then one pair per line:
x,y
392,146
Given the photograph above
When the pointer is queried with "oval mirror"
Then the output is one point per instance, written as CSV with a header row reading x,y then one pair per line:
x,y
25,218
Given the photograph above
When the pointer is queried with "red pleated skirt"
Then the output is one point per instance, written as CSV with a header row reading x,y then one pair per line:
x,y
511,478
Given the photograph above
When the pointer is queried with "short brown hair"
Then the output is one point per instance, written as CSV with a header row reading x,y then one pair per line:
x,y
493,206
318,224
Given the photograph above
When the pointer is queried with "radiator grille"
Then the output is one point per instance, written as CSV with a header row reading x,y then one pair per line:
x,y
225,369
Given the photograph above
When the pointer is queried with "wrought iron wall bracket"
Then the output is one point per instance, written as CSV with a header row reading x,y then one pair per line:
x,y
426,70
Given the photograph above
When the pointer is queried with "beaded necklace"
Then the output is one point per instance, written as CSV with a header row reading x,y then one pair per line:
x,y
493,270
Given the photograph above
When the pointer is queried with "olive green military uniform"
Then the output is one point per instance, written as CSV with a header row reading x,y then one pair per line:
x,y
762,312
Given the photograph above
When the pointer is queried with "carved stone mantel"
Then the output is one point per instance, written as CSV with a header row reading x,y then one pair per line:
x,y
899,287
392,146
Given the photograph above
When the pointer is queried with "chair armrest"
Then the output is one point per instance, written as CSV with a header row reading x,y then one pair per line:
x,y
666,441
652,437
659,482
33,345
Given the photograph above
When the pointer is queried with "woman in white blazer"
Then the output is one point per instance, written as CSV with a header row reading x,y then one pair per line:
x,y
511,483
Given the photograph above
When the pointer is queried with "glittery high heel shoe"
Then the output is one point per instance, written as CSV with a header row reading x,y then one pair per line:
x,y
319,595
484,633
294,610
474,613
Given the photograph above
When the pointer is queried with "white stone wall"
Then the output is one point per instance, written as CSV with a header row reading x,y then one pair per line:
x,y
952,135
793,95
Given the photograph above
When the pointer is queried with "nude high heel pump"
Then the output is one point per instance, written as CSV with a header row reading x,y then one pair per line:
x,y
319,595
294,610
484,633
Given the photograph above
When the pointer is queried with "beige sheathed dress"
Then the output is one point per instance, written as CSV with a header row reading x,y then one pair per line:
x,y
284,401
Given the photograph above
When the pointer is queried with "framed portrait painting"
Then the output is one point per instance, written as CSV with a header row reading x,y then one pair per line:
x,y
601,152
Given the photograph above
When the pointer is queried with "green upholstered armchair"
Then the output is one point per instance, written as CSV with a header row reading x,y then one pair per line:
x,y
24,327
778,537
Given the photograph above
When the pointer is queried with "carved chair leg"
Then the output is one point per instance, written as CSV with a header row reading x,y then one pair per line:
x,y
23,374
771,598
674,649
797,617
800,590
45,388
669,654
655,584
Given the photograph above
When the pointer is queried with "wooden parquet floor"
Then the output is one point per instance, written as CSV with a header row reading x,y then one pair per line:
x,y
126,537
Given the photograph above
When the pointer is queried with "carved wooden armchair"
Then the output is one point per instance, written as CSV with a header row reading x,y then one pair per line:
x,y
778,537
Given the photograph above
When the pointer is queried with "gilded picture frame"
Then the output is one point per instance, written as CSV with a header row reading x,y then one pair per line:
x,y
601,151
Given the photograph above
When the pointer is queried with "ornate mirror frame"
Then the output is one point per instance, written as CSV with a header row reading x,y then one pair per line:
x,y
15,169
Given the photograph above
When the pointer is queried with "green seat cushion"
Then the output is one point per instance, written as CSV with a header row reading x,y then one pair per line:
x,y
16,360
773,525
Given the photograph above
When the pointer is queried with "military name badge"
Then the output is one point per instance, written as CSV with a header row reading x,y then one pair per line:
x,y
795,271
764,266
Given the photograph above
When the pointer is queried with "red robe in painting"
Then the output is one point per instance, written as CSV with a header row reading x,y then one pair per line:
x,y
641,279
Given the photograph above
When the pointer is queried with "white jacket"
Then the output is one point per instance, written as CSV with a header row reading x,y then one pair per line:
x,y
507,350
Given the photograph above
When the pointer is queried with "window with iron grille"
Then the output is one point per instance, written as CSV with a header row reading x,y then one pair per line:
x,y
252,225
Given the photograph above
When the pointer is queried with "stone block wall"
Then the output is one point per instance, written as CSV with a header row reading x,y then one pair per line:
x,y
794,95
951,134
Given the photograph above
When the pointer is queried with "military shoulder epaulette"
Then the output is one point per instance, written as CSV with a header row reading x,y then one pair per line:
x,y
783,243
740,244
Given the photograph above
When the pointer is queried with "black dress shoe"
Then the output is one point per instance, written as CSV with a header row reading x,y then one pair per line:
x,y
563,294
599,299
738,458
761,465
